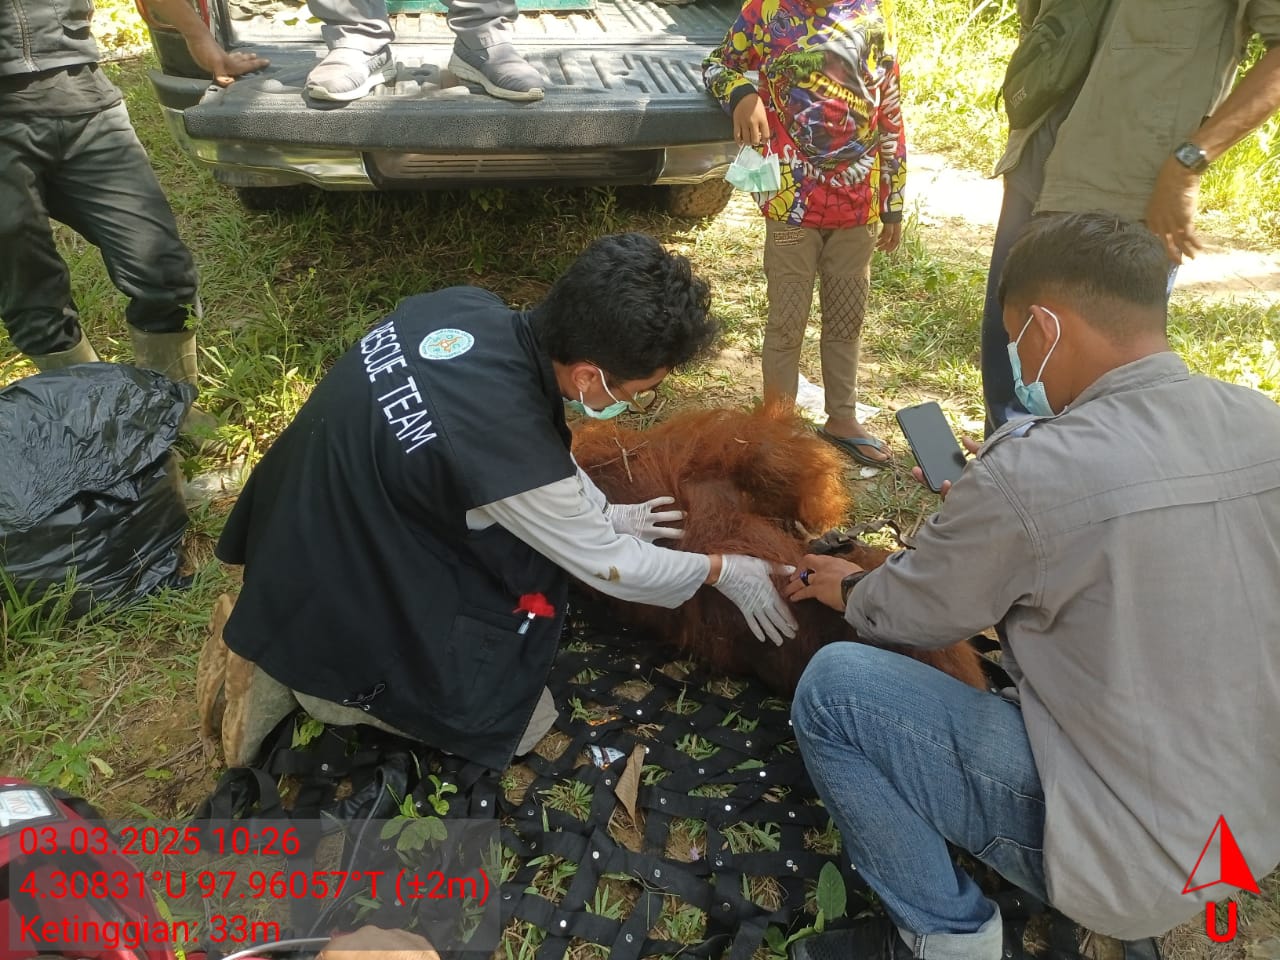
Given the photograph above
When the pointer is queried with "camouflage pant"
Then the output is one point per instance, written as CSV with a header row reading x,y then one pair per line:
x,y
841,262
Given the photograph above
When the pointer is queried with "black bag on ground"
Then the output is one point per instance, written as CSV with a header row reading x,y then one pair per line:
x,y
89,485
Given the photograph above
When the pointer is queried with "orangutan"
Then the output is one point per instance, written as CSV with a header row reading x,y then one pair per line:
x,y
758,483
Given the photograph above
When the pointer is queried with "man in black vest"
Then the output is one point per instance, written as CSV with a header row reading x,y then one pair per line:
x,y
408,540
68,151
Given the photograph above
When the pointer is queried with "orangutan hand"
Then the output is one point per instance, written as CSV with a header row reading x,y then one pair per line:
x,y
374,943
819,579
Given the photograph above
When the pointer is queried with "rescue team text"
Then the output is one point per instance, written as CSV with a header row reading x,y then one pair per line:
x,y
401,405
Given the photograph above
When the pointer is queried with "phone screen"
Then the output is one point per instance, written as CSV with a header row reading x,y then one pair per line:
x,y
935,447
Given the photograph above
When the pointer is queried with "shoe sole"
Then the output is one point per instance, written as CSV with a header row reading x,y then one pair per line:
x,y
385,75
465,71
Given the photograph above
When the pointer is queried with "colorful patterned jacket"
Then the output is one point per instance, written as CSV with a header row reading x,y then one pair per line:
x,y
829,83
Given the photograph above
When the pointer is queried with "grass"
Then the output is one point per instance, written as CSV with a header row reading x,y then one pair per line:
x,y
104,706
952,57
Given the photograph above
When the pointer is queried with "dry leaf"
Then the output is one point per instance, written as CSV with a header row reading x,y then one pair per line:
x,y
629,782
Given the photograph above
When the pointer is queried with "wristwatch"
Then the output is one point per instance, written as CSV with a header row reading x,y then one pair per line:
x,y
848,583
1192,157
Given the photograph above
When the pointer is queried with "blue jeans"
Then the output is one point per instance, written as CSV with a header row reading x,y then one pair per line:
x,y
906,760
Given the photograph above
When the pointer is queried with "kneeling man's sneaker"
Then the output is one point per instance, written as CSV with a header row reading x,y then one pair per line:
x,y
499,69
347,74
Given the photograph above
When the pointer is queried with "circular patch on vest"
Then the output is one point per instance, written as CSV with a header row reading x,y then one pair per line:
x,y
445,344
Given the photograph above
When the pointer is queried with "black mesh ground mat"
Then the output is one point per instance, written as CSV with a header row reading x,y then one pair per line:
x,y
725,835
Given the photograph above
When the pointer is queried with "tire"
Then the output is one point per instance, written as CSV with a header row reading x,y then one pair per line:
x,y
698,201
274,199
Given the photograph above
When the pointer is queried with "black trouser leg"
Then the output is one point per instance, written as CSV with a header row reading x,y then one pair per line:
x,y
104,189
997,374
35,286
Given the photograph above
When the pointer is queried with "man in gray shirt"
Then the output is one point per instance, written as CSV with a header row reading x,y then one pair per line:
x,y
1126,541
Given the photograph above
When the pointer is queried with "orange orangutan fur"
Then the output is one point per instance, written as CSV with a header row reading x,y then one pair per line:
x,y
757,483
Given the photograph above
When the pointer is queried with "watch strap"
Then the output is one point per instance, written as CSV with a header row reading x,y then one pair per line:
x,y
848,583
1191,156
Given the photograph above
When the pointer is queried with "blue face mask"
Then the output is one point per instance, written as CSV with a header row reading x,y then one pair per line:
x,y
608,413
1032,395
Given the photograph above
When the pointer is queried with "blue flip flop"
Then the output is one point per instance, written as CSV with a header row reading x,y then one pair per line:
x,y
850,446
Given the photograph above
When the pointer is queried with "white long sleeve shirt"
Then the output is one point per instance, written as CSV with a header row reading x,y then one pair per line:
x,y
565,522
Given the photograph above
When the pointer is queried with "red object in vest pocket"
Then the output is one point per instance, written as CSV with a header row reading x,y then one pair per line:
x,y
535,605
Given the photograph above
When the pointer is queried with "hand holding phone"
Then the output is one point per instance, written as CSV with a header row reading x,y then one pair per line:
x,y
932,444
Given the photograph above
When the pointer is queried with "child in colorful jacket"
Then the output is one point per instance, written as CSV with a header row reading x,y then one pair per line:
x,y
828,107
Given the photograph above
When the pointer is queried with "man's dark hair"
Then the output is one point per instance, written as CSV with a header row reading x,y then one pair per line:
x,y
628,306
1113,272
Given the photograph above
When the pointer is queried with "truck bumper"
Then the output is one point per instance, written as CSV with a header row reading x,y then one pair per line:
x,y
260,132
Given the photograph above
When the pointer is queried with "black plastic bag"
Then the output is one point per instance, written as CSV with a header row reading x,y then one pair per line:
x,y
89,484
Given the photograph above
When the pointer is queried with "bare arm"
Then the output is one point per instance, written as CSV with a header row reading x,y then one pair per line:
x,y
1172,207
725,70
1254,99
205,50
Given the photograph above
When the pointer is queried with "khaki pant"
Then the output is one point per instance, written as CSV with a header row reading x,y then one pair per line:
x,y
240,704
841,260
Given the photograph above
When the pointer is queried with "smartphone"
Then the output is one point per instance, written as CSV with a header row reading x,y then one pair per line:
x,y
934,446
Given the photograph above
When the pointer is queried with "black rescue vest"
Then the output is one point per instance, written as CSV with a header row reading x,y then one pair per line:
x,y
362,584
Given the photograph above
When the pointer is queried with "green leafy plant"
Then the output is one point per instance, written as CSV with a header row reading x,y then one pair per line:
x,y
73,765
833,899
411,830
305,730
833,904
437,796
414,833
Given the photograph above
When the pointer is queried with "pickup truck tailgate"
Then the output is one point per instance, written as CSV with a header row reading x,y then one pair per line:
x,y
628,72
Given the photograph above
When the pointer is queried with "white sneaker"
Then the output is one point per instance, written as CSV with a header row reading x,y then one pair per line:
x,y
347,74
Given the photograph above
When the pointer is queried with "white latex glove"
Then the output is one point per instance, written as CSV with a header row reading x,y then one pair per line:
x,y
748,582
642,519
